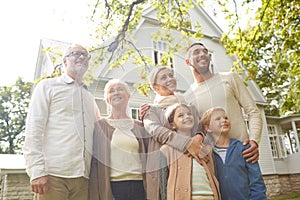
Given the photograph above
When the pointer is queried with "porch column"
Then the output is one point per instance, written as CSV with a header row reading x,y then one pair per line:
x,y
295,134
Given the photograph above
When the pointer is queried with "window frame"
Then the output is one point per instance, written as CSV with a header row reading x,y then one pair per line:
x,y
136,111
159,47
276,142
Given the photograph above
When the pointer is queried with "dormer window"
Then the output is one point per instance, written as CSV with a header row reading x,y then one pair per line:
x,y
159,47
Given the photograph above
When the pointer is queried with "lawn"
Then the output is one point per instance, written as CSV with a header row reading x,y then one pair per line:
x,y
295,196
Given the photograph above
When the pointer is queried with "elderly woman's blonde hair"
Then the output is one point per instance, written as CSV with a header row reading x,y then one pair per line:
x,y
114,82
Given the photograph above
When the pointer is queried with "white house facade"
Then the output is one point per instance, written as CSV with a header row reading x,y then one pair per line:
x,y
281,172
279,146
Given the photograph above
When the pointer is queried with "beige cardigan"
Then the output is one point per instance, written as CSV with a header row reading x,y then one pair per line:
x,y
99,183
180,175
159,130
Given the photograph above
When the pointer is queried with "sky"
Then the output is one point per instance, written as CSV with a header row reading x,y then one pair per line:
x,y
25,22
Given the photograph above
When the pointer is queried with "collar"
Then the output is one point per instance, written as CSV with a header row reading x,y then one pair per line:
x,y
169,100
211,79
68,80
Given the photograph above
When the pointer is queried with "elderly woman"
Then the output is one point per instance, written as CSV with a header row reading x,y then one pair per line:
x,y
118,162
163,82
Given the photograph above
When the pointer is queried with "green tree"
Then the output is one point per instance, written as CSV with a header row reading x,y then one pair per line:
x,y
116,20
267,48
14,102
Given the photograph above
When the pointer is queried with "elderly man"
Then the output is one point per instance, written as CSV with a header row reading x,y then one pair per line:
x,y
59,131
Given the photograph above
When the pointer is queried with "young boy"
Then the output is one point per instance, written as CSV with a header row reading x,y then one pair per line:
x,y
238,179
181,176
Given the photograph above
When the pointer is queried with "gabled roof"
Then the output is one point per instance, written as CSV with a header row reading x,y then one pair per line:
x,y
289,122
213,31
256,93
150,13
209,19
44,65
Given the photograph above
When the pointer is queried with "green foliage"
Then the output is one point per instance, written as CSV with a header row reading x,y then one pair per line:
x,y
286,197
14,102
266,46
56,72
269,49
118,20
56,53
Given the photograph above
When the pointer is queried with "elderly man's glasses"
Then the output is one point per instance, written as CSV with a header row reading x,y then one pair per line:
x,y
77,54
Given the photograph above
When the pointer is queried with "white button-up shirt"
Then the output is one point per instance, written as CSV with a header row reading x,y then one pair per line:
x,y
59,129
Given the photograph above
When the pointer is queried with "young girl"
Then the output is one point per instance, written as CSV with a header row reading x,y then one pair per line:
x,y
181,176
164,84
238,179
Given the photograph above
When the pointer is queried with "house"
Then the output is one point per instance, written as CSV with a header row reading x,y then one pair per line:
x,y
283,134
14,181
281,174
279,146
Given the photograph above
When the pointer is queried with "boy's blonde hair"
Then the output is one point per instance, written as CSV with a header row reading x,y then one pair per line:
x,y
206,117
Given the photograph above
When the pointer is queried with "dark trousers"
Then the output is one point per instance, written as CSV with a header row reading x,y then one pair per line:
x,y
128,190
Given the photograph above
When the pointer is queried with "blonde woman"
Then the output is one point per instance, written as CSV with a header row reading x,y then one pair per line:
x,y
163,82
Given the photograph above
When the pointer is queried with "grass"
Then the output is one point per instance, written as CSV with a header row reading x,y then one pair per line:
x,y
287,196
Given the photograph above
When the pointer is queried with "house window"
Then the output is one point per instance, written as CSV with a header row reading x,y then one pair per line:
x,y
290,142
135,113
282,146
276,142
211,62
159,47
